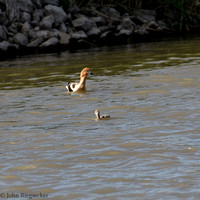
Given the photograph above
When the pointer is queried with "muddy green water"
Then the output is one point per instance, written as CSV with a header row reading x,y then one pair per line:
x,y
51,144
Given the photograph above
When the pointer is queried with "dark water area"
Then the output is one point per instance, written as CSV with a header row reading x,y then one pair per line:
x,y
149,148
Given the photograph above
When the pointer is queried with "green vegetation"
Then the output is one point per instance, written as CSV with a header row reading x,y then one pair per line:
x,y
181,14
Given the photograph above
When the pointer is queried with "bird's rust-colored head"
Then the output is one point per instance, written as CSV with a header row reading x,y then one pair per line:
x,y
85,72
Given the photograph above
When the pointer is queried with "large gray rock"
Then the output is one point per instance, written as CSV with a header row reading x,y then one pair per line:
x,y
32,34
25,28
43,34
100,21
38,14
3,18
25,5
20,39
111,13
103,28
25,17
3,31
47,22
128,24
54,33
151,25
35,43
141,31
125,32
107,35
94,32
83,23
12,10
13,28
64,38
79,35
4,45
37,28
144,16
50,42
63,28
58,13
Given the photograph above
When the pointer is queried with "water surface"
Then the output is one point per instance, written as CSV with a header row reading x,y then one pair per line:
x,y
149,148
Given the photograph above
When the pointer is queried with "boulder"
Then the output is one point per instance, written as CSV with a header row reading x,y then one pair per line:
x,y
70,30
50,42
119,27
144,16
38,14
151,25
128,24
25,17
15,27
100,21
58,13
54,33
107,35
15,46
79,35
37,28
141,31
3,31
63,28
32,34
20,39
64,38
35,43
103,28
12,10
25,28
25,5
111,12
83,23
125,15
12,29
43,34
94,32
3,18
4,45
162,25
125,32
10,39
47,22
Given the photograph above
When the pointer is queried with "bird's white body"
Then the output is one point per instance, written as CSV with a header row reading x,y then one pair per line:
x,y
74,87
97,113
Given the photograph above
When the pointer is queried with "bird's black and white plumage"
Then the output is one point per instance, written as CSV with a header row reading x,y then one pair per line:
x,y
97,113
73,87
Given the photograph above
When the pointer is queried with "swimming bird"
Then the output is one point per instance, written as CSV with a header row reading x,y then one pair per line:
x,y
74,87
97,113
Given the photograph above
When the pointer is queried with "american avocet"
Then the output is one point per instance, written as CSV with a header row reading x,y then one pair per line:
x,y
97,113
73,87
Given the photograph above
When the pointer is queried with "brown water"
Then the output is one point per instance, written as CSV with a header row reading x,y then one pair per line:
x,y
50,142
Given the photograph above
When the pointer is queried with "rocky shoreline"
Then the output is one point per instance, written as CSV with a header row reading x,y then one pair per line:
x,y
36,26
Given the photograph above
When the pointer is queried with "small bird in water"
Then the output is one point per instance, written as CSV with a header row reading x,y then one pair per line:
x,y
74,87
97,113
